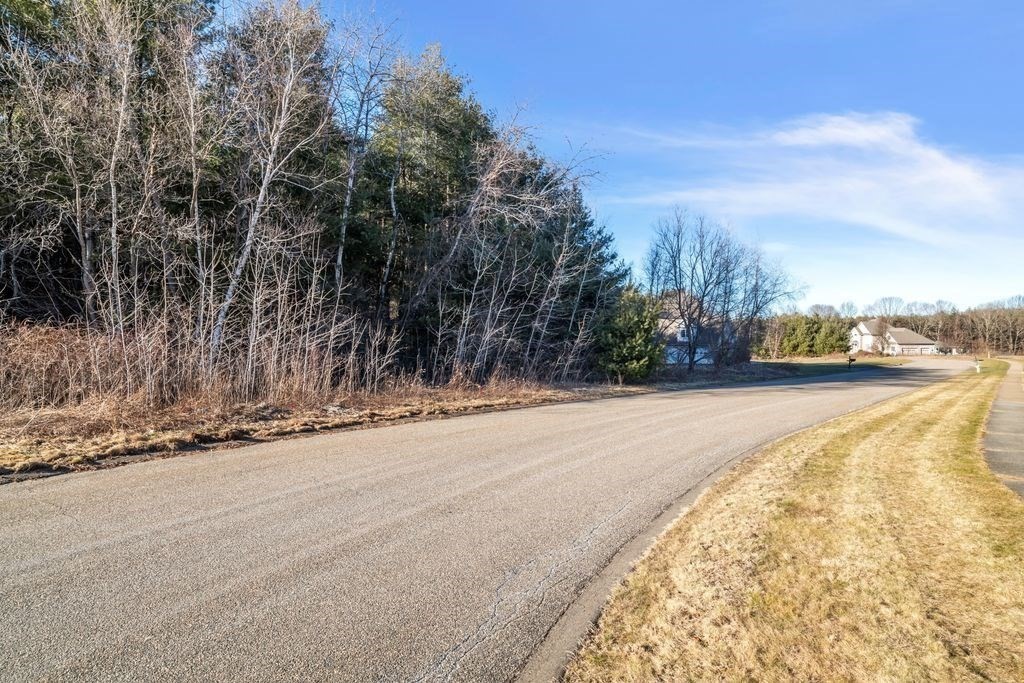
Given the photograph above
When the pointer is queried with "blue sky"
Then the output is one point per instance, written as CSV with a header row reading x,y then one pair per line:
x,y
874,148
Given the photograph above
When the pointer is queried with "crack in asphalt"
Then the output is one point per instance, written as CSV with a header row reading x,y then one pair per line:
x,y
53,506
447,664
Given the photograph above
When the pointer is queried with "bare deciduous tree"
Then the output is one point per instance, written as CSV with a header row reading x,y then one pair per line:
x,y
367,54
277,61
886,307
713,288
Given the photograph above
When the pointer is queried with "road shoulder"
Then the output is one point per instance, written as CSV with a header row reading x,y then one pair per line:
x,y
875,546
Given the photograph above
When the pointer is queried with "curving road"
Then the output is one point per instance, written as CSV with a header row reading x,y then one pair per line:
x,y
442,550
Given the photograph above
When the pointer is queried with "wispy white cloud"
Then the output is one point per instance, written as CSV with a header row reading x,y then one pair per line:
x,y
894,131
874,171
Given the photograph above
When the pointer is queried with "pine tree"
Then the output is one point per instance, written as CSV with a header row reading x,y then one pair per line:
x,y
799,339
832,337
629,347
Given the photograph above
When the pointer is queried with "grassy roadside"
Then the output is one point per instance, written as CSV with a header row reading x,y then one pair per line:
x,y
767,370
877,546
106,434
809,367
109,433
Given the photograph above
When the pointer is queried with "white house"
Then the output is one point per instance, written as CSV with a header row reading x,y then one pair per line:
x,y
877,336
673,334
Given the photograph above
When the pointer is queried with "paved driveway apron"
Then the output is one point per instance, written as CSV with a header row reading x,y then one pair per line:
x,y
1004,435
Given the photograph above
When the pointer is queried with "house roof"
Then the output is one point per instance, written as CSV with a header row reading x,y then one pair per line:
x,y
873,326
903,336
900,335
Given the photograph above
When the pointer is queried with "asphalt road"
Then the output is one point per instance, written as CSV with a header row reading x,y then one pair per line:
x,y
441,550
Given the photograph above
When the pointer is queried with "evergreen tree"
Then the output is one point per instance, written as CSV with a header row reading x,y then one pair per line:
x,y
832,337
629,347
800,334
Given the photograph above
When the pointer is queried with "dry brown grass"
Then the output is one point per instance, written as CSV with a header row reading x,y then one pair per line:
x,y
105,432
78,398
877,546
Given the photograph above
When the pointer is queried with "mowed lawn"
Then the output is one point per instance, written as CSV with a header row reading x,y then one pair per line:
x,y
877,546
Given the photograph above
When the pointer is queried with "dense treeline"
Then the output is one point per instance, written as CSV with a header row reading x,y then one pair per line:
x,y
994,328
264,205
797,334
